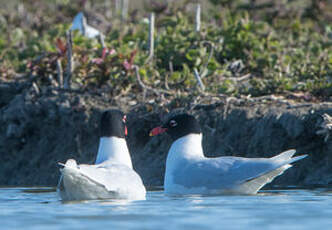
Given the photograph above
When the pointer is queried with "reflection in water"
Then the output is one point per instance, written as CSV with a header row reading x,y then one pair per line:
x,y
117,205
40,208
39,189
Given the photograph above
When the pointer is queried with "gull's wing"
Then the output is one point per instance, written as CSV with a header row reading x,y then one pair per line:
x,y
228,172
103,181
113,177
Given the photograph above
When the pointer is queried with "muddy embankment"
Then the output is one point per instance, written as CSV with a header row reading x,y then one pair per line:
x,y
40,127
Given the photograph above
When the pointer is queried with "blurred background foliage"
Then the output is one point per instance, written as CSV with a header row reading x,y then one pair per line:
x,y
244,47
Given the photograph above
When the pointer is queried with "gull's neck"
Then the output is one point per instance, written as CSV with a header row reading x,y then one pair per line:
x,y
114,150
184,150
189,146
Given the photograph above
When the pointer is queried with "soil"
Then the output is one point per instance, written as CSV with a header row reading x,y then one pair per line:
x,y
42,126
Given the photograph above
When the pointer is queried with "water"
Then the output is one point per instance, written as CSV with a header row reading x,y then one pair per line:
x,y
40,208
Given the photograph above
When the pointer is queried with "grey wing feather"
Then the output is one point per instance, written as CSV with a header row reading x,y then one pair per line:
x,y
224,172
112,176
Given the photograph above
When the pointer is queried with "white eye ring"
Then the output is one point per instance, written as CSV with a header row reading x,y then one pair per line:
x,y
173,123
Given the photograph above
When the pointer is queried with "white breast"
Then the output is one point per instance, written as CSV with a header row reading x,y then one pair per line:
x,y
183,151
115,150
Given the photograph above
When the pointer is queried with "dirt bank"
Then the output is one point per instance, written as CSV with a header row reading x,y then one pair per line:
x,y
42,126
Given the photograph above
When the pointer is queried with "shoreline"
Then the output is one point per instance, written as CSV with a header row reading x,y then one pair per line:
x,y
39,129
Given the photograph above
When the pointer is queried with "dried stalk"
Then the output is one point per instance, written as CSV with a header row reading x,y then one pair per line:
x,y
124,10
203,70
102,40
237,79
166,82
35,88
151,37
118,6
20,9
326,127
140,82
52,81
198,17
145,88
244,77
60,72
226,107
171,69
108,7
70,64
199,80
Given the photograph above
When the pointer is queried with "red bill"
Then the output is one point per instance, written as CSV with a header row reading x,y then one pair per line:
x,y
157,130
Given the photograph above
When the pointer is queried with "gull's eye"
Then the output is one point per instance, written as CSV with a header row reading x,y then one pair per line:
x,y
124,119
173,123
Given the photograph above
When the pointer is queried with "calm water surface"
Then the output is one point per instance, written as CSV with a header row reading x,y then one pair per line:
x,y
40,208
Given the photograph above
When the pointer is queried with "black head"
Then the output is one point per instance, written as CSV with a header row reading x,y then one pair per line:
x,y
181,125
113,124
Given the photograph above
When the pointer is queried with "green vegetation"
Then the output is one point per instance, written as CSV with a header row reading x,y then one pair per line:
x,y
256,48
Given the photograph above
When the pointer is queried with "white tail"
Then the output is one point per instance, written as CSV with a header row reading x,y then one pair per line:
x,y
287,158
284,156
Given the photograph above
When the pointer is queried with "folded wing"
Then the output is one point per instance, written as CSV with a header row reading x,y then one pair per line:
x,y
234,173
104,181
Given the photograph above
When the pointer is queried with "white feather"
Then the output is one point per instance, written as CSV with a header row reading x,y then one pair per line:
x,y
113,149
112,177
188,171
